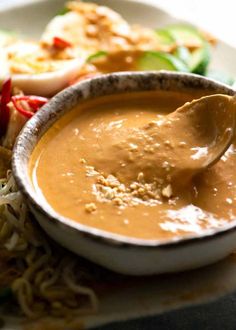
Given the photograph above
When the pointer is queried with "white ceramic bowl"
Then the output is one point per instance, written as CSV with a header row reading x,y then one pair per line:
x,y
119,253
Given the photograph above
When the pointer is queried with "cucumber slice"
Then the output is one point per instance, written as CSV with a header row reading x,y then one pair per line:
x,y
160,61
97,55
185,35
183,54
63,11
199,60
165,38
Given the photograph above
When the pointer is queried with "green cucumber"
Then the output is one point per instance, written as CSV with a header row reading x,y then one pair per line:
x,y
97,55
165,38
63,11
185,34
152,60
199,60
183,54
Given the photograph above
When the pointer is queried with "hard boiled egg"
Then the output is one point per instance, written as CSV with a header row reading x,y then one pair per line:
x,y
92,28
89,27
36,70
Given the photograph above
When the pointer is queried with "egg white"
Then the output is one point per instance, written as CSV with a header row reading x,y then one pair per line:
x,y
45,83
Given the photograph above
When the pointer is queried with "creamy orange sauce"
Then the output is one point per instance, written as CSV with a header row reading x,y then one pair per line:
x,y
71,168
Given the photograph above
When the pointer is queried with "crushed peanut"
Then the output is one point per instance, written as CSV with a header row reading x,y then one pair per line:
x,y
90,171
90,207
140,177
82,161
111,189
167,191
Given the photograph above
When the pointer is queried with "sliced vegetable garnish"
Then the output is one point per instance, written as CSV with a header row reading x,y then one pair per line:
x,y
63,11
183,53
199,60
185,35
4,109
192,47
165,38
61,43
97,55
34,102
160,61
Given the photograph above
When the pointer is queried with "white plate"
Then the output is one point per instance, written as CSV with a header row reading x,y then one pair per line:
x,y
158,294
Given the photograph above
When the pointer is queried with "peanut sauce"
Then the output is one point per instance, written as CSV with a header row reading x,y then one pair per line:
x,y
72,170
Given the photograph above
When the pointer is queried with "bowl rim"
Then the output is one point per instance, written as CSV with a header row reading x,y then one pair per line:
x,y
37,123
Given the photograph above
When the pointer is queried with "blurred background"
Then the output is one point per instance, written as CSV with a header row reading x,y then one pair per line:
x,y
218,17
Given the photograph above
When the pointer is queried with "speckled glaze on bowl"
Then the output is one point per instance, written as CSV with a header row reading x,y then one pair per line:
x,y
118,253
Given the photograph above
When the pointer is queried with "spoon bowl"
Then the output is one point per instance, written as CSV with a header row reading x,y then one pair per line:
x,y
204,130
213,119
175,147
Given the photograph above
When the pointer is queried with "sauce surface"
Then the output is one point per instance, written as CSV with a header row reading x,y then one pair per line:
x,y
73,170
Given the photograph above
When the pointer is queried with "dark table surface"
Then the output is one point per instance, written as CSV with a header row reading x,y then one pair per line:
x,y
218,315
